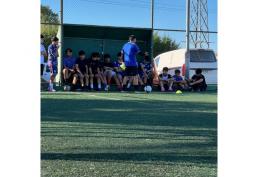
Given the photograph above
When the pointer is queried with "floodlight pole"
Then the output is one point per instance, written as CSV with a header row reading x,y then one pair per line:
x,y
152,27
187,54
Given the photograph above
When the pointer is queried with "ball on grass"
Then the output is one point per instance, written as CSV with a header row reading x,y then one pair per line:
x,y
179,92
147,89
67,88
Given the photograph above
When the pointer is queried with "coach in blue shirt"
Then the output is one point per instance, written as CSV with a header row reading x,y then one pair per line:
x,y
130,51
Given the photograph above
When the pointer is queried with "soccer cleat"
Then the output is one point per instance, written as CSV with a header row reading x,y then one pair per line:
x,y
51,90
162,89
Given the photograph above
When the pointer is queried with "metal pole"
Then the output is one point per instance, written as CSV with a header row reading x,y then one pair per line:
x,y
152,27
61,42
187,54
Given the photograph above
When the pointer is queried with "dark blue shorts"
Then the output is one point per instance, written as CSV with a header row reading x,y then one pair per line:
x,y
53,67
131,71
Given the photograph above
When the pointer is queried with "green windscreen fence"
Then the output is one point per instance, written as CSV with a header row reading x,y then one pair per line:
x,y
103,39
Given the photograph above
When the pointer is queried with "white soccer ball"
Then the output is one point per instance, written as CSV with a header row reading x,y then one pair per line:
x,y
67,88
147,89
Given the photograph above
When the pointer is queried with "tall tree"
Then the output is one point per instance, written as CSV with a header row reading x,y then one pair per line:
x,y
163,44
50,21
48,16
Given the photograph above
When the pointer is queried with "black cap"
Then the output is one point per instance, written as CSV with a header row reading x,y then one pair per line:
x,y
81,52
132,37
54,39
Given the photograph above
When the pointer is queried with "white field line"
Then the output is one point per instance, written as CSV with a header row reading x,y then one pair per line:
x,y
107,98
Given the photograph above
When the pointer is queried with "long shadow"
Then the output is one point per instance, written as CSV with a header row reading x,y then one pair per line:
x,y
130,112
136,157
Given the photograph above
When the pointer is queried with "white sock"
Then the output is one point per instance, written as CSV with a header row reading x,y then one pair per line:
x,y
50,85
91,86
99,86
128,85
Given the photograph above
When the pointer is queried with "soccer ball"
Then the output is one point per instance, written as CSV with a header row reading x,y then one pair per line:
x,y
122,66
67,88
147,89
179,92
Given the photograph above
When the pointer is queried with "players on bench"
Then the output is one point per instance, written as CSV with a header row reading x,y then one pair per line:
x,y
82,70
118,68
96,72
69,67
109,72
146,70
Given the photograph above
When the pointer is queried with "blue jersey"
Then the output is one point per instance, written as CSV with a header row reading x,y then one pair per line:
x,y
52,52
116,64
130,50
177,78
69,62
146,66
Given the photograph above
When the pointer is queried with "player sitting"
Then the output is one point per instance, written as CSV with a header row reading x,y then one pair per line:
x,y
69,67
95,71
178,82
165,80
198,83
118,69
82,73
146,70
109,72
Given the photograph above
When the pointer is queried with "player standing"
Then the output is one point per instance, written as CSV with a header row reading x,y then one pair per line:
x,y
52,61
43,54
130,51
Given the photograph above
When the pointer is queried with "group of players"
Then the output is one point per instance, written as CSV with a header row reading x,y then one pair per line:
x,y
98,73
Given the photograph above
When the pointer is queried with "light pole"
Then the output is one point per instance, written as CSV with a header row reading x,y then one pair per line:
x,y
152,26
187,54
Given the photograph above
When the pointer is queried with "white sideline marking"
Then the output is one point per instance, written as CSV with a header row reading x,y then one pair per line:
x,y
107,98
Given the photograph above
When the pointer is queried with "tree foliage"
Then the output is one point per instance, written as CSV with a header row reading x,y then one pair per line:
x,y
50,21
163,44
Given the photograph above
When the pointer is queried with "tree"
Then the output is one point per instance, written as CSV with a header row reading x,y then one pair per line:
x,y
48,16
163,44
50,21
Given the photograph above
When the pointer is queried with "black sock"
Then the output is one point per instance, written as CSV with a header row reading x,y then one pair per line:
x,y
124,87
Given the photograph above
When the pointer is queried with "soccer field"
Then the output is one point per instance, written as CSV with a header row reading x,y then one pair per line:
x,y
128,135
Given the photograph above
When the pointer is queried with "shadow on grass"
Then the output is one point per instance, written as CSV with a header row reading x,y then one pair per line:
x,y
126,117
130,112
136,157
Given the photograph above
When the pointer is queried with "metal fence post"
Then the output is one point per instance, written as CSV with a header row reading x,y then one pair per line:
x,y
187,54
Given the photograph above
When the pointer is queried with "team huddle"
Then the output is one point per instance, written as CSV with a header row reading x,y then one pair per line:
x,y
100,72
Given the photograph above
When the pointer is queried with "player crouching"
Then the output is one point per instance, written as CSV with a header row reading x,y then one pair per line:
x,y
178,82
165,80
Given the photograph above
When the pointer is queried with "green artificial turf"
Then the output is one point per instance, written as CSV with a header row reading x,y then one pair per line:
x,y
128,135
